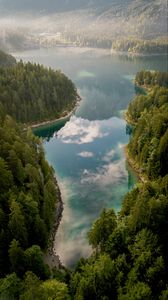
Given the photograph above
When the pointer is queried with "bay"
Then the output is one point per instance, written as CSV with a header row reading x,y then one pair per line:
x,y
87,149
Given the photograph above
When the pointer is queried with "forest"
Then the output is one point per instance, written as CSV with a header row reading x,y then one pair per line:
x,y
31,93
140,46
150,143
129,259
149,78
28,199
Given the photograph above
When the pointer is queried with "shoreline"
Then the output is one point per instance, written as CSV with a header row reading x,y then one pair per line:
x,y
64,117
134,167
135,54
128,119
107,51
129,159
51,258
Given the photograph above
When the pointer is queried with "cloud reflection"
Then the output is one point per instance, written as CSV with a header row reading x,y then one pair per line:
x,y
108,174
86,154
70,250
109,155
81,131
86,74
70,242
93,181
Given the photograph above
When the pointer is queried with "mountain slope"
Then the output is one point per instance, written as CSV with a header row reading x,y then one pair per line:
x,y
83,23
6,59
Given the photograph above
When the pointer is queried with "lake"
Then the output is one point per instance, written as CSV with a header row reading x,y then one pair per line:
x,y
87,149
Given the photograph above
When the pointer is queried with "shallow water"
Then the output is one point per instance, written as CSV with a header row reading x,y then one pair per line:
x,y
87,150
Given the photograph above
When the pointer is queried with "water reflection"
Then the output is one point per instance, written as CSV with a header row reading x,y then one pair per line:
x,y
89,159
87,152
48,131
104,96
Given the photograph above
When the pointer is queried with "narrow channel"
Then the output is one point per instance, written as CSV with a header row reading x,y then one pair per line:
x,y
87,150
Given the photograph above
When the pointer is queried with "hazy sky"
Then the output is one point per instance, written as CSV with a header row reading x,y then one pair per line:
x,y
50,5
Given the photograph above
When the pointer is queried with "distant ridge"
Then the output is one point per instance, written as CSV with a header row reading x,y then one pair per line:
x,y
81,22
69,5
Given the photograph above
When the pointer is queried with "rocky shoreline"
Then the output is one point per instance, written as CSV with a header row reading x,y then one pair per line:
x,y
50,257
141,177
130,160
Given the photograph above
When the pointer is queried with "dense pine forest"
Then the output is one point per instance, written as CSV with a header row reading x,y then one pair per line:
x,y
31,93
139,46
129,259
149,144
148,78
28,199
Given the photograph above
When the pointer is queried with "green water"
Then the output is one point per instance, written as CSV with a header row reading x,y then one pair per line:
x,y
87,150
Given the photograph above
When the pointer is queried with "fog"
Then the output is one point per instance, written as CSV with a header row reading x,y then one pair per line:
x,y
92,26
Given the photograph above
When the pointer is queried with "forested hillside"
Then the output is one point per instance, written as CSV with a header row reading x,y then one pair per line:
x,y
85,23
28,199
140,46
31,93
129,260
150,79
28,190
149,145
6,59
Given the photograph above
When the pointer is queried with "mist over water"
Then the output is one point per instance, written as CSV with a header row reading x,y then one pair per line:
x,y
87,150
28,24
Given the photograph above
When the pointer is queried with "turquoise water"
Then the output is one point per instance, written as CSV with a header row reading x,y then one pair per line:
x,y
87,150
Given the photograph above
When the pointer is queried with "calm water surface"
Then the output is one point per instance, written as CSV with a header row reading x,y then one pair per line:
x,y
87,150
